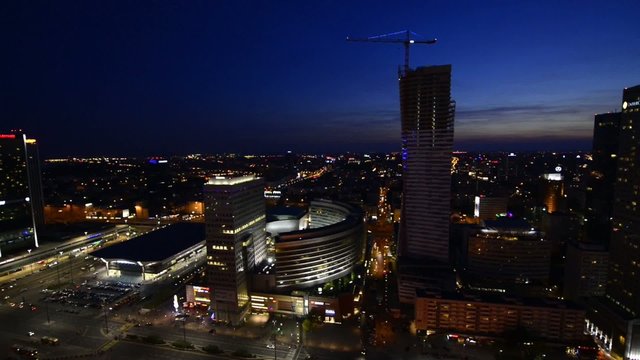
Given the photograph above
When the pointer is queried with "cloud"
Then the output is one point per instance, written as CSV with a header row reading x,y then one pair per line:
x,y
534,126
489,113
527,122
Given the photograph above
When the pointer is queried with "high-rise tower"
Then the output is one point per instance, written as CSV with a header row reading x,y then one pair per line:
x,y
235,237
624,275
615,320
21,203
35,181
427,114
602,177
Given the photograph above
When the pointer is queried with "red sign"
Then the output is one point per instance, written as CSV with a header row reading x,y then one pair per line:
x,y
7,136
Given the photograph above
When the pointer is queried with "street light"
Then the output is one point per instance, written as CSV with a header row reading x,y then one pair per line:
x,y
184,331
30,263
58,267
71,256
106,321
275,339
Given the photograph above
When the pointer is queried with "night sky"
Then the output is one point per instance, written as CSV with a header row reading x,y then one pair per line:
x,y
178,77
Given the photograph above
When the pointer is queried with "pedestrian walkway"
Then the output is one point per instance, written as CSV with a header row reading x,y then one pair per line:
x,y
116,336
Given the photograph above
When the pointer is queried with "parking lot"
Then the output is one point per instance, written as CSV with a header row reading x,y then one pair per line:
x,y
95,294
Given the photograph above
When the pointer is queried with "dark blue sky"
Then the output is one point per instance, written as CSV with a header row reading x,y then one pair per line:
x,y
161,77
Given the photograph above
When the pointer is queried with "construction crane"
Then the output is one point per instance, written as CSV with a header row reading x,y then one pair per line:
x,y
396,38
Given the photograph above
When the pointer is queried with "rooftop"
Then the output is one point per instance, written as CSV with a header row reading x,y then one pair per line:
x,y
493,298
229,180
285,213
156,245
508,225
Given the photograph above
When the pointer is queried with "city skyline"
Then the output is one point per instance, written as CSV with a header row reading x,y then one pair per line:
x,y
276,180
98,80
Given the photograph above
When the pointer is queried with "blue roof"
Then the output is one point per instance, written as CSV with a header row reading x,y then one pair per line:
x,y
156,245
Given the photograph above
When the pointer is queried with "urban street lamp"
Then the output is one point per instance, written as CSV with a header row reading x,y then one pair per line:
x,y
58,267
30,263
275,338
106,320
184,331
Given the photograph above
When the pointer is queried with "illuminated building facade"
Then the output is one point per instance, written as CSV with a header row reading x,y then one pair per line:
x,y
552,191
236,241
427,115
493,315
328,250
488,208
156,254
197,295
297,304
509,250
21,203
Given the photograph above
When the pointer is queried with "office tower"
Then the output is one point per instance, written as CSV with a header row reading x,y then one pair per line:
x,y
602,178
552,192
488,208
511,167
21,207
235,237
35,181
427,115
615,320
508,251
624,275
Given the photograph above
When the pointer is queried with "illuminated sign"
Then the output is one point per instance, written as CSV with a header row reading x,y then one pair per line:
x,y
272,194
553,177
7,136
201,294
507,214
155,161
329,312
30,141
631,104
476,207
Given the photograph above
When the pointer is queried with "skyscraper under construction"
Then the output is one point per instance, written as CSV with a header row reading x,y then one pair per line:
x,y
427,114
